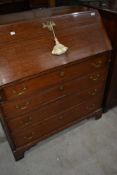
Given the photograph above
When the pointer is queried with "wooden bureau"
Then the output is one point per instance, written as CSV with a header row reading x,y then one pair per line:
x,y
42,94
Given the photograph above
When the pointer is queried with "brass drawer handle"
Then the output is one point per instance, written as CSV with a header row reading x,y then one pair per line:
x,y
29,137
62,73
92,92
98,64
26,123
95,77
22,107
21,92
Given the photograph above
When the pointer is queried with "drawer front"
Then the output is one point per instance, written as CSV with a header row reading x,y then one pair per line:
x,y
56,123
63,74
15,108
47,111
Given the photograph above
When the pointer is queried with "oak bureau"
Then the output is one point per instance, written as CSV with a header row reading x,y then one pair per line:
x,y
41,93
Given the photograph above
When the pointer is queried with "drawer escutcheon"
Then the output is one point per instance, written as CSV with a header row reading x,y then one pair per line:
x,y
62,73
61,88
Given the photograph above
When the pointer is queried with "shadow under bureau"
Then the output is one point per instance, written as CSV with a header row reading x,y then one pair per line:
x,y
40,93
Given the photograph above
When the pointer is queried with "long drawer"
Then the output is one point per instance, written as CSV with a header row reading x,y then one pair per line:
x,y
47,111
62,74
15,108
57,122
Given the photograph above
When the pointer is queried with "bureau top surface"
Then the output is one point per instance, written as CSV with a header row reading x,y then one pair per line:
x,y
25,47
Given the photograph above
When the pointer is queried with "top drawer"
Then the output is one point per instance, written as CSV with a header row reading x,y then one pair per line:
x,y
62,74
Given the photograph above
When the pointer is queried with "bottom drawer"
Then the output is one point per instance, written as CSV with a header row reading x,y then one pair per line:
x,y
57,122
